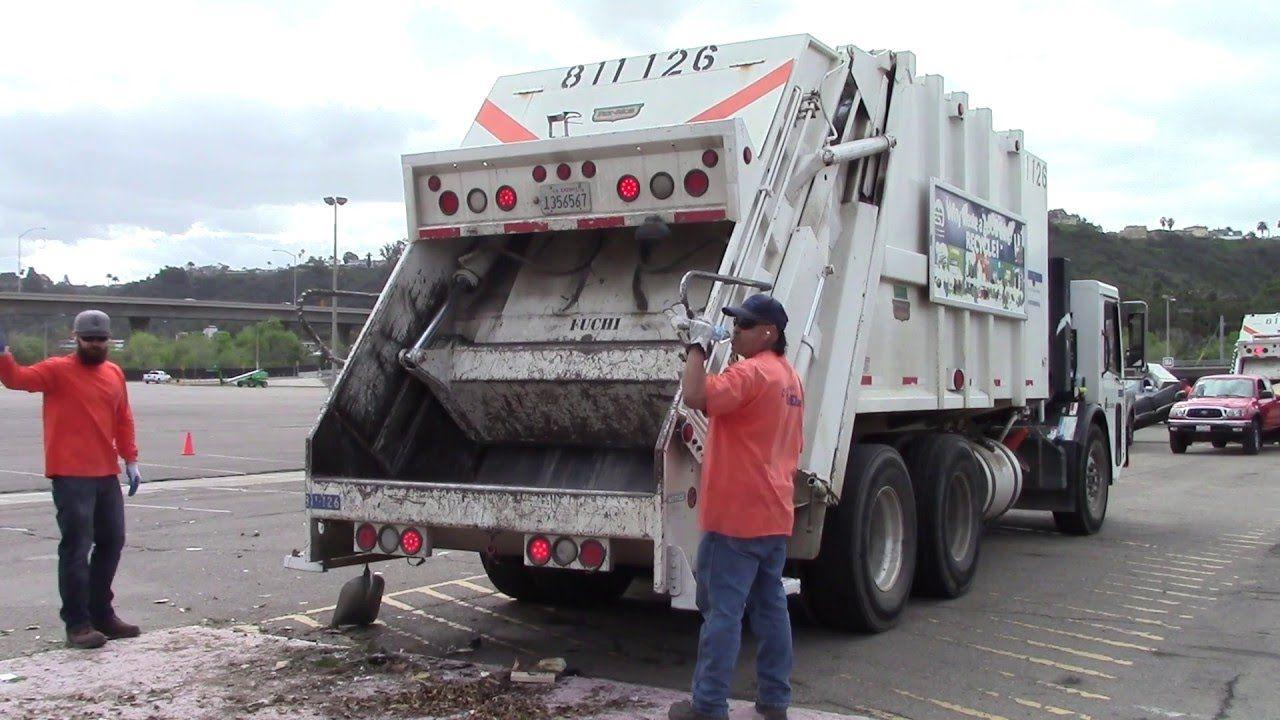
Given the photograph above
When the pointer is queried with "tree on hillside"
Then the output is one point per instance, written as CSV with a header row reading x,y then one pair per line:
x,y
391,252
1170,223
349,258
1263,230
1163,222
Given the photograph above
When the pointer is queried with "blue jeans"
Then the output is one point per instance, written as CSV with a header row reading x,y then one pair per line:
x,y
737,576
90,516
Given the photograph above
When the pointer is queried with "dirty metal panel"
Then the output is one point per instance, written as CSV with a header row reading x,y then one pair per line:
x,y
586,362
606,414
485,507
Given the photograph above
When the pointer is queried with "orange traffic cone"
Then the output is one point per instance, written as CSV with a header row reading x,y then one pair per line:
x,y
189,447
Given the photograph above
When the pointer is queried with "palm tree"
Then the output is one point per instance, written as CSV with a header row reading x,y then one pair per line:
x,y
1262,228
1170,223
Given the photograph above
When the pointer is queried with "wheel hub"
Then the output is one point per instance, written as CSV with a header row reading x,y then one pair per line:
x,y
886,534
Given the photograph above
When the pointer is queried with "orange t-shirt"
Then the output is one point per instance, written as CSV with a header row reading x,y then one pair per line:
x,y
87,420
756,408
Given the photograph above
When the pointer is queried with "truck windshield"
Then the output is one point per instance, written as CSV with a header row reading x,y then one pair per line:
x,y
1219,387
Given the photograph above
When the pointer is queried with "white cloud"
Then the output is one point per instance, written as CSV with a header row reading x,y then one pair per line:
x,y
161,132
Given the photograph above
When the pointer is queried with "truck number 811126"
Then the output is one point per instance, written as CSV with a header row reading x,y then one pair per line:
x,y
704,58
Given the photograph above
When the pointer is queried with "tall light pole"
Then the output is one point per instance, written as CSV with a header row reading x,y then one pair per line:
x,y
333,302
1168,299
294,261
24,233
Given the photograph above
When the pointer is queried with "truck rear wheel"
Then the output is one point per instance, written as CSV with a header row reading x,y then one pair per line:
x,y
1092,488
572,588
862,576
947,480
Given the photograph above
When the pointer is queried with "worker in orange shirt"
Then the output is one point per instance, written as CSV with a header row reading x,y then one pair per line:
x,y
87,426
746,510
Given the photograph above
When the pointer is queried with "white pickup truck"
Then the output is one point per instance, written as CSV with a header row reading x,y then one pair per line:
x,y
515,390
156,376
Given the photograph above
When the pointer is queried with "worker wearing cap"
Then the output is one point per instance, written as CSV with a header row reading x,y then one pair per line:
x,y
756,410
87,426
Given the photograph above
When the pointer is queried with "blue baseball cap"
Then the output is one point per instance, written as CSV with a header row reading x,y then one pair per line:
x,y
761,308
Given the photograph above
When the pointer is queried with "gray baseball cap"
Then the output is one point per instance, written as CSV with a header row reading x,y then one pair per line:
x,y
92,323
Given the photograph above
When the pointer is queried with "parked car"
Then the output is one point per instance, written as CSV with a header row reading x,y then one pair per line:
x,y
156,376
1152,396
1224,409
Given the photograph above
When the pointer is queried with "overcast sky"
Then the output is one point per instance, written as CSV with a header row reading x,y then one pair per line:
x,y
142,135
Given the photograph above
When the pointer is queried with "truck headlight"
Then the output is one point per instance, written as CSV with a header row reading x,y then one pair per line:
x,y
1178,412
1233,412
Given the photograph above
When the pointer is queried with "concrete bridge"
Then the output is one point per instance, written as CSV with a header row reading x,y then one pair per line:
x,y
140,311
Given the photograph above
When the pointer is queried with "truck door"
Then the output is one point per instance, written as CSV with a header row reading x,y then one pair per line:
x,y
1268,406
1111,390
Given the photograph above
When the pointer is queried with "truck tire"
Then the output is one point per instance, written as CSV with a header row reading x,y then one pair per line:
x,y
1178,445
862,576
1253,439
1092,487
569,588
1129,429
949,493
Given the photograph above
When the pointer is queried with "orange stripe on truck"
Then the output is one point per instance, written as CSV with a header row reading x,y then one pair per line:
x,y
501,125
747,95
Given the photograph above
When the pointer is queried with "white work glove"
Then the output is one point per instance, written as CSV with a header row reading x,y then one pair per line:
x,y
695,331
135,477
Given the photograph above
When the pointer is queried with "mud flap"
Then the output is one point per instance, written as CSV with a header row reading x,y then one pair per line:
x,y
359,600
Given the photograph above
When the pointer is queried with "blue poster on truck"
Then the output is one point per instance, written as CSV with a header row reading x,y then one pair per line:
x,y
977,254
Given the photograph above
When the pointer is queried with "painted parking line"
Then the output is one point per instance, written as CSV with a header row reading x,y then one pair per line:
x,y
175,507
1078,636
1143,598
1052,710
1163,591
1224,561
455,625
1188,563
1130,618
398,593
1187,573
1076,692
953,707
1034,660
1099,657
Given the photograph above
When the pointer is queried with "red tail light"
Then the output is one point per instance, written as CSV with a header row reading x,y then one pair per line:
x,y
366,537
433,183
710,158
696,183
563,171
411,541
591,555
448,202
686,432
746,155
957,380
505,197
588,169
539,550
539,173
628,188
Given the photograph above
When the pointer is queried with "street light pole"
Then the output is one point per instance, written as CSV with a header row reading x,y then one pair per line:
x,y
1168,299
294,260
24,233
335,201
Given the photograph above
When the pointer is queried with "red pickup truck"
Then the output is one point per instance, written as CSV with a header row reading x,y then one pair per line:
x,y
1224,409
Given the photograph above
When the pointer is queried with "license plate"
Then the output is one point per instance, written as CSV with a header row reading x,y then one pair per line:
x,y
566,199
323,501
1202,428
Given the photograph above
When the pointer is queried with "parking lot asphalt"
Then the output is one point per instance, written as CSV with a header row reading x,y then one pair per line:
x,y
235,431
1172,611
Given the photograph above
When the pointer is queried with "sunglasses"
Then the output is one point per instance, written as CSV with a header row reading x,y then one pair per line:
x,y
745,323
94,338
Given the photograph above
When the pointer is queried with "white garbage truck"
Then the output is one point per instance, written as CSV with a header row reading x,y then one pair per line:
x,y
515,390
1258,346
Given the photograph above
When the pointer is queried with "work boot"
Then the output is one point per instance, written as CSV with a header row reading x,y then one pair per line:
x,y
771,712
683,710
85,637
115,628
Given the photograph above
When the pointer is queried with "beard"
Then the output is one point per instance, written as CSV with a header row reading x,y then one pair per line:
x,y
92,355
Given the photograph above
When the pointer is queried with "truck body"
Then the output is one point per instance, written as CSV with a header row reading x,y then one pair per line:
x,y
515,389
1258,347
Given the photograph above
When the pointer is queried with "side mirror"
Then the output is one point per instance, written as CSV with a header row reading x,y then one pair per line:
x,y
1135,325
1266,395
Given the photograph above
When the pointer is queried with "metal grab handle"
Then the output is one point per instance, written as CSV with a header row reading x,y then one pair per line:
x,y
726,279
301,304
409,357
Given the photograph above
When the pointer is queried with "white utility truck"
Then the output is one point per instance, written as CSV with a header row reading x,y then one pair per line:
x,y
1258,347
515,390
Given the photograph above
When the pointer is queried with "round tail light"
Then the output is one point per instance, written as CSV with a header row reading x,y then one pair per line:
x,y
388,539
366,537
411,541
628,188
662,186
565,551
710,158
588,169
477,200
746,155
696,183
539,173
505,197
433,183
957,380
563,171
448,202
686,432
539,550
591,555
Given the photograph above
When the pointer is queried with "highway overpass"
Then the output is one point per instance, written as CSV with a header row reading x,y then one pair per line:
x,y
140,311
